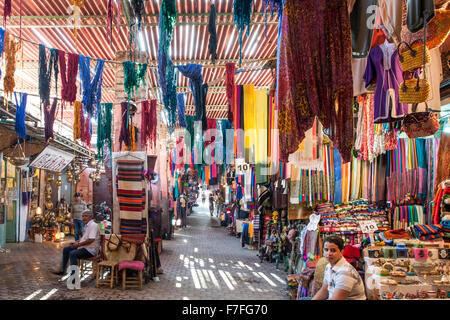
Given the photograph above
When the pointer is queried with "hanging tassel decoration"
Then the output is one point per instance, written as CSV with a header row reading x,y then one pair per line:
x,y
92,90
212,34
11,49
68,79
21,104
242,10
274,6
49,119
181,110
6,11
45,73
77,106
230,69
104,130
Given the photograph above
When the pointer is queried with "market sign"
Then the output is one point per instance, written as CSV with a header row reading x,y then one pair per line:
x,y
241,166
52,159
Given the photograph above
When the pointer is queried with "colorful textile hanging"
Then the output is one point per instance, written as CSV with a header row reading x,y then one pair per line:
x,y
6,11
212,46
77,109
134,76
229,85
145,123
11,48
261,114
249,125
313,76
194,73
45,73
49,119
104,138
242,11
69,73
181,110
125,135
365,129
21,104
131,195
443,160
152,123
170,100
110,17
273,5
85,128
2,41
92,89
190,131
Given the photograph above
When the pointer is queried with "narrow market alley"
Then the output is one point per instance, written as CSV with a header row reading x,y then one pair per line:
x,y
200,262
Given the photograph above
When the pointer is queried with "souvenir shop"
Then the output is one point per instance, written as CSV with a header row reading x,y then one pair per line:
x,y
374,171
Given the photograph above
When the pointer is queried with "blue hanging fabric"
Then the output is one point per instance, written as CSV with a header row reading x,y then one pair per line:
x,y
212,46
92,89
21,104
45,73
273,5
181,110
2,41
337,177
170,100
193,71
242,10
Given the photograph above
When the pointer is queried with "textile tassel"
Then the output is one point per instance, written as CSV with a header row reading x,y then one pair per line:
x,y
20,115
124,131
230,69
45,73
49,119
77,120
129,82
212,34
109,20
145,113
194,73
11,48
181,110
242,10
85,129
273,5
68,79
6,11
104,120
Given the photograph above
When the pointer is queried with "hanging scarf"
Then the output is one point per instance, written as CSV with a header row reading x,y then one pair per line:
x,y
110,17
49,119
194,73
230,69
104,130
21,104
152,123
134,76
11,48
124,131
212,34
77,106
92,89
69,78
242,11
45,73
313,76
337,177
181,110
6,11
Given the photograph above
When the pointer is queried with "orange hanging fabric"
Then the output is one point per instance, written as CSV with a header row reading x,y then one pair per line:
x,y
76,120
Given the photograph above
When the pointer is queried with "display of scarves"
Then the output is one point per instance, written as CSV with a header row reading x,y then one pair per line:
x,y
212,46
181,110
238,122
337,177
230,88
49,120
227,141
104,137
273,147
131,195
406,216
261,115
21,104
92,88
219,148
249,125
313,76
443,160
365,128
125,134
45,73
194,73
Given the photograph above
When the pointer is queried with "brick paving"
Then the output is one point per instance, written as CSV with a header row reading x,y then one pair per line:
x,y
201,262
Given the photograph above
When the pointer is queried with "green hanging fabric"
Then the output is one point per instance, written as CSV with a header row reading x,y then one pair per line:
x,y
242,10
104,130
130,77
190,129
140,77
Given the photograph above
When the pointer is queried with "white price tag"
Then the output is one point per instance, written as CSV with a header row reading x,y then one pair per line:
x,y
368,226
241,166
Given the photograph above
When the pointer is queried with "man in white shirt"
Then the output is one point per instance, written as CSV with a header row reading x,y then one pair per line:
x,y
341,280
183,202
87,247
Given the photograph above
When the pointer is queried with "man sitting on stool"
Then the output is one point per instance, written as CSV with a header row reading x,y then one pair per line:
x,y
87,247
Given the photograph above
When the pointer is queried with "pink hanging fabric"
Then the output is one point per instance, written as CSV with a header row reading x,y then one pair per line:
x,y
69,73
230,69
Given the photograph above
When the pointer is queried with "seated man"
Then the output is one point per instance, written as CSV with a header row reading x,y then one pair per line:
x,y
341,280
87,247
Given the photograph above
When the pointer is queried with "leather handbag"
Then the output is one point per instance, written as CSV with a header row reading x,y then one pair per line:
x,y
420,124
410,58
418,12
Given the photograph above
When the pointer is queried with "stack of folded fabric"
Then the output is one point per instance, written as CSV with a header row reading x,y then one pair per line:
x,y
446,228
428,232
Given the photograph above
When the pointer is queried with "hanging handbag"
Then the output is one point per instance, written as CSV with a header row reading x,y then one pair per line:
x,y
418,13
410,58
420,124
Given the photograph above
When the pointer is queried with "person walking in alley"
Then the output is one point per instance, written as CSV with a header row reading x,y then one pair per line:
x,y
77,208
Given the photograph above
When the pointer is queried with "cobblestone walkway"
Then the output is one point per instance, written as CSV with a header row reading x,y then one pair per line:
x,y
201,262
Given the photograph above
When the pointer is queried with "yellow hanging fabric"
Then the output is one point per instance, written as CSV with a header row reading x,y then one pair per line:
x,y
76,120
249,121
261,116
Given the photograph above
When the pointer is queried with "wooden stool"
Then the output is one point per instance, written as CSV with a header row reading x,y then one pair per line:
x,y
131,282
84,265
113,276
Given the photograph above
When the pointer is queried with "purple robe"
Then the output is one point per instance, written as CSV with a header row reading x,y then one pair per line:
x,y
389,75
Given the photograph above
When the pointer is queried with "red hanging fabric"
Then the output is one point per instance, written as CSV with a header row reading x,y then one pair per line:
x,y
145,123
230,69
69,73
152,123
6,11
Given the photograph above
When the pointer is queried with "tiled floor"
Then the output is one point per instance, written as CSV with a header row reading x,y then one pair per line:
x,y
201,262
